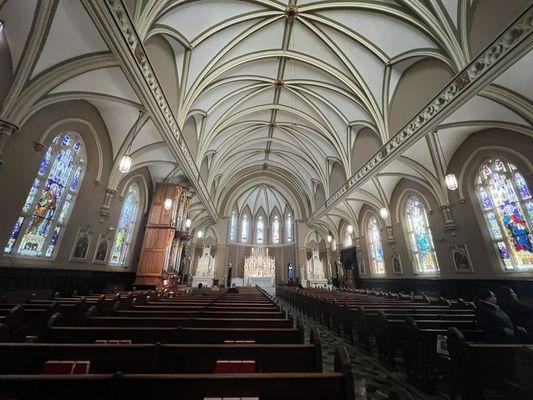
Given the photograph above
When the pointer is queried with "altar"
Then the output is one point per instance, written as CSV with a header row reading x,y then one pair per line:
x,y
314,272
259,269
205,270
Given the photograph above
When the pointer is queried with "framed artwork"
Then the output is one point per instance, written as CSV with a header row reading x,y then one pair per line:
x,y
461,258
81,245
102,249
396,264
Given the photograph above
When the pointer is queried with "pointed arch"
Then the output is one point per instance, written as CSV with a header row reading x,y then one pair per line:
x,y
51,198
126,227
507,207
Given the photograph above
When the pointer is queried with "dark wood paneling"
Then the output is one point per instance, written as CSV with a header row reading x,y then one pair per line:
x,y
64,280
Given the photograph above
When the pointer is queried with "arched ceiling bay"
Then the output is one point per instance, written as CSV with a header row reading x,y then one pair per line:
x,y
275,84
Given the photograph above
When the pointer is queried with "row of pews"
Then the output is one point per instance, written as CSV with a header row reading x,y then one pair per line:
x,y
137,345
437,342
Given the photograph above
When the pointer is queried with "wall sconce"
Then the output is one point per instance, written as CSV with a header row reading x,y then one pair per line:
x,y
200,234
187,223
350,229
168,204
451,181
1,26
329,238
384,213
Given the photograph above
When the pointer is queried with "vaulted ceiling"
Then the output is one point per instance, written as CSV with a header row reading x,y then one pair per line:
x,y
270,92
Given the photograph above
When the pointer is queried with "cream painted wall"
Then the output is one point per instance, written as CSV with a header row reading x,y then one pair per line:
x,y
21,165
417,86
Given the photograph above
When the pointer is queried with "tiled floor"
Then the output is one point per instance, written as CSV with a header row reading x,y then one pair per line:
x,y
372,380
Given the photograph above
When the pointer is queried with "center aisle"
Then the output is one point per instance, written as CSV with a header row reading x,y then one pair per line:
x,y
372,380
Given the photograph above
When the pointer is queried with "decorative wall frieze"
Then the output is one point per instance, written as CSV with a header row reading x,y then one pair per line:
x,y
7,130
114,12
495,59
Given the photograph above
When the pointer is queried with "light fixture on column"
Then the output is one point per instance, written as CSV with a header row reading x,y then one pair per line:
x,y
188,223
1,26
451,182
168,204
329,238
126,160
384,213
350,229
200,234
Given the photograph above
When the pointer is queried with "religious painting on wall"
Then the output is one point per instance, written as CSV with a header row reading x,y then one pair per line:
x,y
102,248
396,264
460,258
81,246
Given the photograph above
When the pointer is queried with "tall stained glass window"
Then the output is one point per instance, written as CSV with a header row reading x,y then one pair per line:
x,y
260,231
375,249
348,242
244,229
275,230
507,206
422,248
233,226
51,198
126,226
289,228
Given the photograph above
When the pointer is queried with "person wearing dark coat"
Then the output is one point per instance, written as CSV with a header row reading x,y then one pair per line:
x,y
495,322
520,314
233,289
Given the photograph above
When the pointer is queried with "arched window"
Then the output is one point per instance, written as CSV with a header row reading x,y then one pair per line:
x,y
260,231
507,206
289,228
348,242
52,196
126,226
375,249
275,230
244,229
419,234
233,226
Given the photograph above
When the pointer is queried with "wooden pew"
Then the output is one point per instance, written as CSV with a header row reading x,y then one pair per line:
x,y
29,358
480,368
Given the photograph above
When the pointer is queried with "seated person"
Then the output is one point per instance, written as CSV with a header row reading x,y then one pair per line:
x,y
233,289
520,313
495,322
199,291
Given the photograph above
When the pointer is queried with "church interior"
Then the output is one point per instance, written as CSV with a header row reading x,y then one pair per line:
x,y
266,199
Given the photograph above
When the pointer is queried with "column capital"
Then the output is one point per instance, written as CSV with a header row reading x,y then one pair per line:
x,y
7,129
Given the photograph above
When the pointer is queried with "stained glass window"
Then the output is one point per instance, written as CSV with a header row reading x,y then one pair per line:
x,y
422,248
126,226
260,231
348,241
50,200
275,230
507,206
233,226
244,229
375,249
289,228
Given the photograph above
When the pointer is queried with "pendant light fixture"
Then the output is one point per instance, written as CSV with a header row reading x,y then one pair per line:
x,y
384,213
126,160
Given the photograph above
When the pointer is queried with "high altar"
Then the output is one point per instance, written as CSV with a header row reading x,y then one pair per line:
x,y
259,268
314,271
205,270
